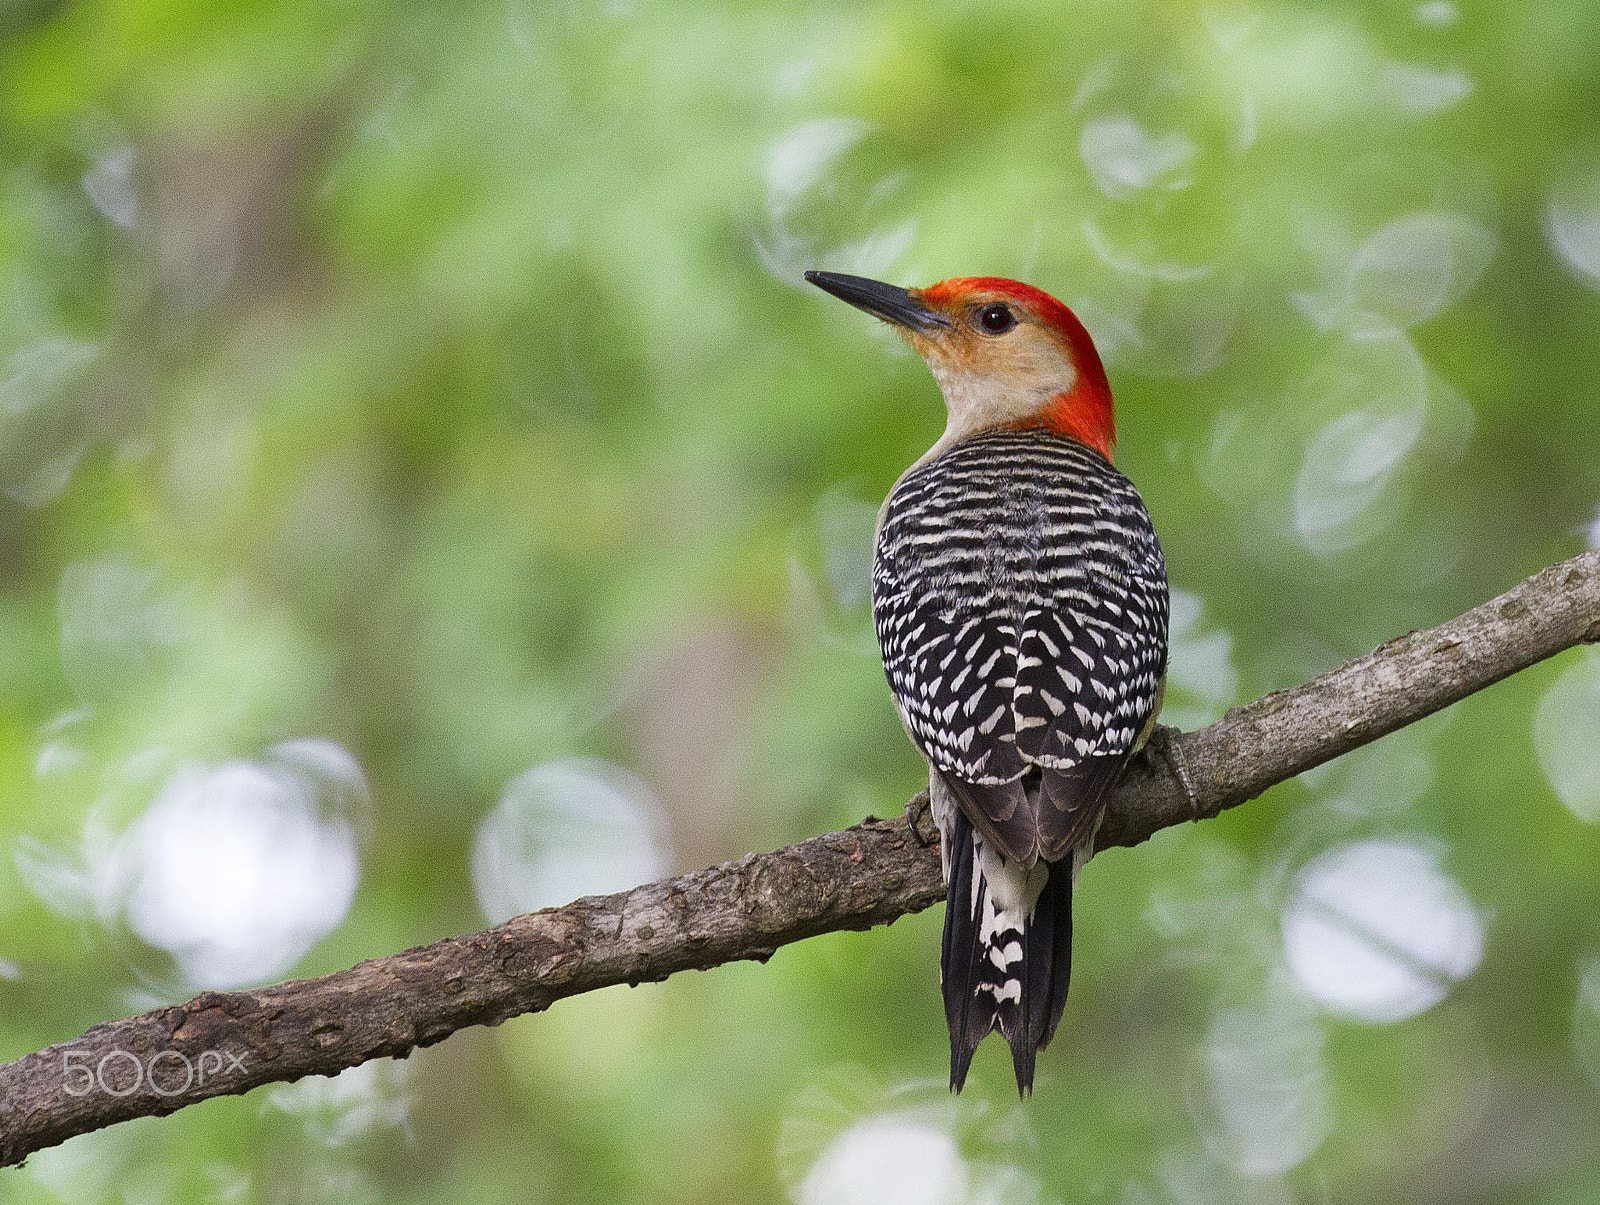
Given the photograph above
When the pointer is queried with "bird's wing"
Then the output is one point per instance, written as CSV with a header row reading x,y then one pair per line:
x,y
1090,661
947,588
950,669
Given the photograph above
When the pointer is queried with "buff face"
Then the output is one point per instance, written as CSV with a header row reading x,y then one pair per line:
x,y
997,364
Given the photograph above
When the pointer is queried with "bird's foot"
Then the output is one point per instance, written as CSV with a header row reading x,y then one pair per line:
x,y
1163,743
919,817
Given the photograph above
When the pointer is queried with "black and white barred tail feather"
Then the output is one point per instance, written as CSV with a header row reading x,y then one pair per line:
x,y
1003,968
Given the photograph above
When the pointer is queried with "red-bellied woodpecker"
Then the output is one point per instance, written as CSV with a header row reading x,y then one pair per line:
x,y
1020,600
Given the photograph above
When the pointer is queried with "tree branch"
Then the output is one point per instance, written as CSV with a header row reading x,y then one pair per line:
x,y
221,1044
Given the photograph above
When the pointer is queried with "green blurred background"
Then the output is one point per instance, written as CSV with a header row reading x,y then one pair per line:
x,y
430,493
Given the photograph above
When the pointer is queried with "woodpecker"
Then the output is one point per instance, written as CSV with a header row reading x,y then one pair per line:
x,y
1020,600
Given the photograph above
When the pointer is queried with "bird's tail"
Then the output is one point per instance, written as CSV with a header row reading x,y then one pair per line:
x,y
1007,957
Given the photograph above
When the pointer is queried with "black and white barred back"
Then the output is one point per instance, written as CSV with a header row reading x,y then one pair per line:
x,y
1020,600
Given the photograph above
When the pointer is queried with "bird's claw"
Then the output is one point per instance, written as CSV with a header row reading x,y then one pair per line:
x,y
919,818
1163,744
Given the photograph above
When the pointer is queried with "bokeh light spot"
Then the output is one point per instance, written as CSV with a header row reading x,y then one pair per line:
x,y
1269,1090
1376,931
567,829
887,1161
1125,159
239,869
1418,266
1566,736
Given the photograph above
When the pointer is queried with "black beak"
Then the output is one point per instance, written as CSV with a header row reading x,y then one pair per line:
x,y
885,301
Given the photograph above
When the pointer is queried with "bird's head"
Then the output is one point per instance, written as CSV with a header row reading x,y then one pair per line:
x,y
1005,354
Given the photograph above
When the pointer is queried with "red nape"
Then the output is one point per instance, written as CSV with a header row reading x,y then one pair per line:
x,y
1078,414
1084,412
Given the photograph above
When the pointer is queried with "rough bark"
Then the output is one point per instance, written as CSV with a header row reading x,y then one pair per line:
x,y
221,1044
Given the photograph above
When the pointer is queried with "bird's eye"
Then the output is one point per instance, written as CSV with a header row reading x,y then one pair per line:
x,y
996,319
